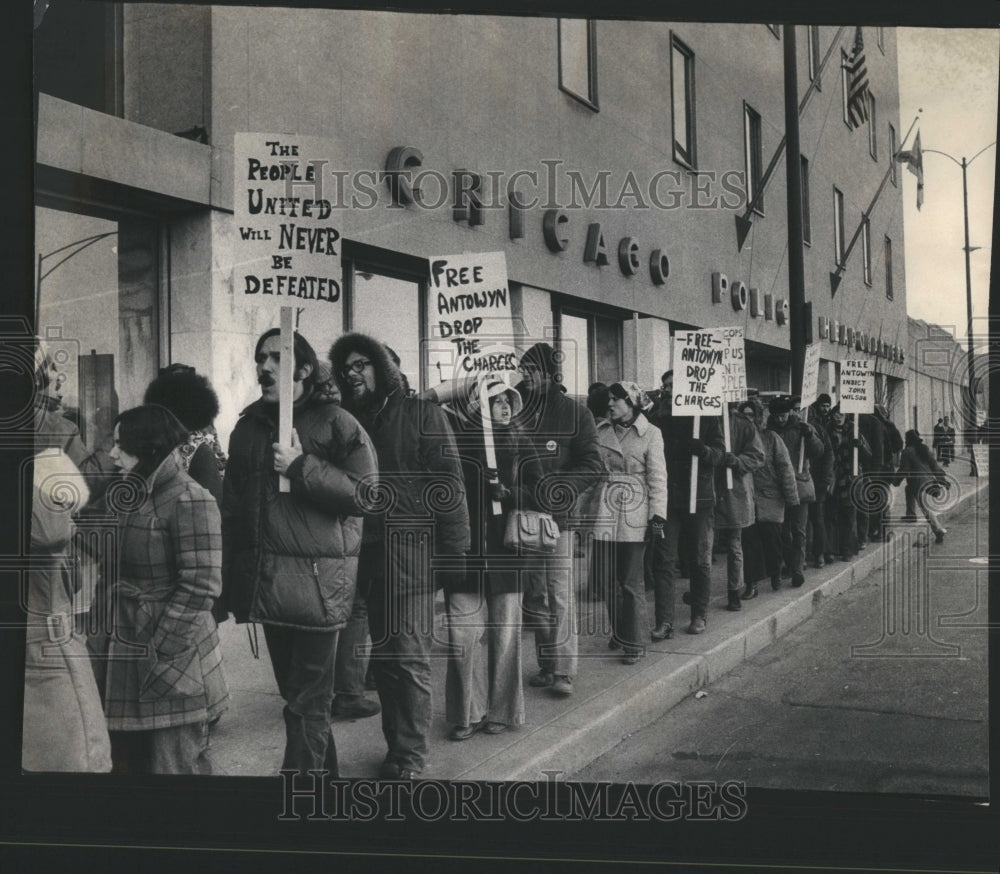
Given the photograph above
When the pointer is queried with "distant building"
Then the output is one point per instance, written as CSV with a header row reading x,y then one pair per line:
x,y
647,141
939,378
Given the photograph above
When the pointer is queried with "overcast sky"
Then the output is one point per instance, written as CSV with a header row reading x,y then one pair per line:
x,y
952,75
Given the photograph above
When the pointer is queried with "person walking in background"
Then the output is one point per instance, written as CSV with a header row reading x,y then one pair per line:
x,y
922,475
734,508
421,474
823,481
291,557
886,443
697,528
794,432
483,688
843,509
947,442
564,438
774,489
937,443
159,702
636,498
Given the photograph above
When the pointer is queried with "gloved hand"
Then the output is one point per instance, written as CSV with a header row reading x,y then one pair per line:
x,y
498,491
805,429
697,447
729,460
657,528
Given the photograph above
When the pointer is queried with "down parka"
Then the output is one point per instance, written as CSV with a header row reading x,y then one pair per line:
x,y
774,480
735,507
291,558
814,451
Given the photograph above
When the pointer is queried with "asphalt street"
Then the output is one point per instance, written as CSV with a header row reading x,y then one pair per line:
x,y
884,689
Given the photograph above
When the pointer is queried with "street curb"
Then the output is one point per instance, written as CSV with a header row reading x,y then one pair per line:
x,y
595,725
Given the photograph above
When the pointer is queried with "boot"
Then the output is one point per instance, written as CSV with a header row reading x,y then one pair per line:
x,y
749,592
307,743
734,604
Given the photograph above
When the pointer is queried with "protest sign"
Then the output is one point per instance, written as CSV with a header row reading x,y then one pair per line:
x,y
810,375
287,247
856,388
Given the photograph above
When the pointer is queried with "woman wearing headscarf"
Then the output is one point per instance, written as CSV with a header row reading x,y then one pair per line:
x,y
922,474
483,688
165,680
636,497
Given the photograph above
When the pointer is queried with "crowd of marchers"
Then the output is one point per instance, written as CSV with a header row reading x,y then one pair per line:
x,y
338,539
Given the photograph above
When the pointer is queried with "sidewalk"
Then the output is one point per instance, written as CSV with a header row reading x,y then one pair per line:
x,y
611,700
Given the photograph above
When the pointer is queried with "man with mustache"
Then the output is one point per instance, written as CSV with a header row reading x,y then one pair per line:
x,y
418,518
290,558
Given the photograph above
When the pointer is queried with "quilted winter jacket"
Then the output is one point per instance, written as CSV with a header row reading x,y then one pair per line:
x,y
814,450
735,507
774,480
291,558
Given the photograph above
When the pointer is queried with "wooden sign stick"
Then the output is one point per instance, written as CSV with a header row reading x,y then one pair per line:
x,y
854,417
491,451
286,370
694,469
729,445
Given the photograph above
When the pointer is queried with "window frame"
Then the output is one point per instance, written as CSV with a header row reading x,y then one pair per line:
x,y
814,56
689,160
872,127
839,241
845,85
752,123
590,99
806,217
775,30
888,267
866,250
880,38
893,147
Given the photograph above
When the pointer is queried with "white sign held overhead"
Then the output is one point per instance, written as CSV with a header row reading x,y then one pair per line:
x,y
856,386
709,371
288,239
810,375
471,327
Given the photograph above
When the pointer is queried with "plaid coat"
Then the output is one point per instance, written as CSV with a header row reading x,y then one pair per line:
x,y
165,661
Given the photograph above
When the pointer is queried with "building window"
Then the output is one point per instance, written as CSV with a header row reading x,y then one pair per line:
x,y
888,268
872,128
880,31
578,59
866,249
592,349
838,225
892,156
845,83
813,53
753,151
806,223
78,50
682,101
775,30
98,299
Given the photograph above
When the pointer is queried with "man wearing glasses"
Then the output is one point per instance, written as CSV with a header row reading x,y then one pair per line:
x,y
417,517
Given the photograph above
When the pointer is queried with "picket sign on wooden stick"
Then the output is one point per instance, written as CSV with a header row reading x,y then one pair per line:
x,y
802,452
694,467
729,445
491,451
286,369
854,417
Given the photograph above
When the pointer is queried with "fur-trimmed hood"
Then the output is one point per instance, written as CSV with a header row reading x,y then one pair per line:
x,y
388,378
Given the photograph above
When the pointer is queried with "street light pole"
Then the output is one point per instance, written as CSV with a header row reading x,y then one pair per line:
x,y
964,164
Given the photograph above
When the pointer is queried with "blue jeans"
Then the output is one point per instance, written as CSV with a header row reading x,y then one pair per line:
x,y
733,540
627,598
352,652
549,595
179,749
402,629
698,531
793,535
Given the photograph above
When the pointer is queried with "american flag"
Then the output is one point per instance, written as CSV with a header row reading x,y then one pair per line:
x,y
857,84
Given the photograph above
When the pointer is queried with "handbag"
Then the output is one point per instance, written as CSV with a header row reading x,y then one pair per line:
x,y
530,531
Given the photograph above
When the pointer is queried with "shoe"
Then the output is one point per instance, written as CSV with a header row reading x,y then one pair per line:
x,y
797,579
749,592
819,563
495,727
686,598
663,631
388,771
614,643
697,625
776,582
630,658
354,707
734,604
464,732
939,536
562,685
541,679
829,557
370,685
408,774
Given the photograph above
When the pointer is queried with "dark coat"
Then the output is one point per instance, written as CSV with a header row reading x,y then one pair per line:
x,y
164,659
291,558
823,473
843,442
563,436
774,480
420,474
735,507
917,472
792,436
677,432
